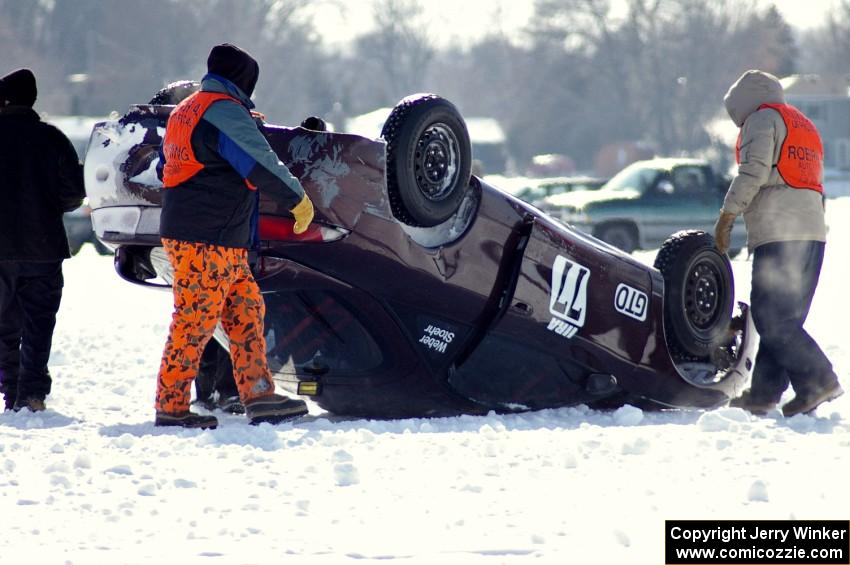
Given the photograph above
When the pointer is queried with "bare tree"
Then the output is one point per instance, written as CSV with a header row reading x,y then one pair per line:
x,y
280,35
655,71
586,72
111,58
826,49
22,45
106,59
394,60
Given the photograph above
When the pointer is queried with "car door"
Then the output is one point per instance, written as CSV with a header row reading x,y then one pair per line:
x,y
578,308
680,199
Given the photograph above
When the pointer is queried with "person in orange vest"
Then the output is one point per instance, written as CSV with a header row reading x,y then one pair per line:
x,y
213,161
779,190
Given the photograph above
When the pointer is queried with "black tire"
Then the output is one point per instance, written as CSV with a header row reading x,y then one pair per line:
x,y
699,293
621,236
429,158
175,92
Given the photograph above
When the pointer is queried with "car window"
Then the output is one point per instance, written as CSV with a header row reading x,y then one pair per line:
x,y
532,193
560,187
550,188
689,181
317,332
633,178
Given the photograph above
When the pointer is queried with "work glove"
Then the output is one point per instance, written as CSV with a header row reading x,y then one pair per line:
x,y
723,231
303,214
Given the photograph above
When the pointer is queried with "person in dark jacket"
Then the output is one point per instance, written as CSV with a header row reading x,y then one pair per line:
x,y
213,161
40,179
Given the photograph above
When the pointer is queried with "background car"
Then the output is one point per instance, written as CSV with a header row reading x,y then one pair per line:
x,y
538,190
79,230
646,202
420,290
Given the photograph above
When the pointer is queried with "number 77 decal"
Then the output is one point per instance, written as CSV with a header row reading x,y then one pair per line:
x,y
568,300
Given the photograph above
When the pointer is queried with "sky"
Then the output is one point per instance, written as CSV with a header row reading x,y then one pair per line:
x,y
455,19
804,13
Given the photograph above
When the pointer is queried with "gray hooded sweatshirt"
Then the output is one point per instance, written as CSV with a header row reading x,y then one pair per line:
x,y
773,211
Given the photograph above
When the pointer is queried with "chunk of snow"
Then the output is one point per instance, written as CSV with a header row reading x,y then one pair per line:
x,y
757,492
346,474
628,416
82,461
721,420
147,489
120,470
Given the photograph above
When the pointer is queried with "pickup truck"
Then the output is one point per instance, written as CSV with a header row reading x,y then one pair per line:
x,y
645,202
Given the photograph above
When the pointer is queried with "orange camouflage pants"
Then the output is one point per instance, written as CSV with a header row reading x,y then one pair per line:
x,y
211,284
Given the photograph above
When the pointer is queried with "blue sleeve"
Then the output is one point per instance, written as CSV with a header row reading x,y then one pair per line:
x,y
238,158
245,148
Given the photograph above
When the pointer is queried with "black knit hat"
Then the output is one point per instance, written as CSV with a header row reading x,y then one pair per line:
x,y
235,65
18,88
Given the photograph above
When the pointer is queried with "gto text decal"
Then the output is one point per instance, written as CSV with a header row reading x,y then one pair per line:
x,y
631,302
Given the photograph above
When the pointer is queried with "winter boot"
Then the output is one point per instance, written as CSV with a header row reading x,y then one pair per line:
x,y
208,403
33,404
186,419
754,407
274,409
231,405
805,403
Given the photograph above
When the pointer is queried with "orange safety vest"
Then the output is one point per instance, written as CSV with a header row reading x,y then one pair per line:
x,y
801,156
180,161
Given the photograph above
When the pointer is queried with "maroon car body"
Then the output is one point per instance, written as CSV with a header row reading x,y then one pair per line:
x,y
500,307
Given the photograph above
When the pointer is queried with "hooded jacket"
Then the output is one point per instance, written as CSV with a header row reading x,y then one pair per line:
x,y
773,211
40,178
219,204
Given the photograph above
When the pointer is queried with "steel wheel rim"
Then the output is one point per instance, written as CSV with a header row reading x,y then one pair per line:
x,y
703,295
436,162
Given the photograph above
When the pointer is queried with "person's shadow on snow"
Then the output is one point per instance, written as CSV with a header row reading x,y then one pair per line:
x,y
26,420
146,429
234,429
237,432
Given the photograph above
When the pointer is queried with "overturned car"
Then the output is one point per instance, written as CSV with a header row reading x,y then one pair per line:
x,y
420,290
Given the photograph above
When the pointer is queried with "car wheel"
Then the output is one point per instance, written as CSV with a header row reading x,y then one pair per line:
x,y
429,158
699,292
621,236
175,92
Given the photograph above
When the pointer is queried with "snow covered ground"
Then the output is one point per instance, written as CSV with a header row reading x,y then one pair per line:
x,y
92,481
